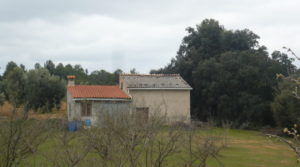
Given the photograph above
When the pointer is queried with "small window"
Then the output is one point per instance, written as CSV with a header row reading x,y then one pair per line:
x,y
122,85
86,109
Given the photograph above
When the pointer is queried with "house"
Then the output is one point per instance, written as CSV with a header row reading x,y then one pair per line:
x,y
166,95
163,94
87,102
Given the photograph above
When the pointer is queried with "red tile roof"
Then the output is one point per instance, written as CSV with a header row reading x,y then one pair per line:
x,y
97,91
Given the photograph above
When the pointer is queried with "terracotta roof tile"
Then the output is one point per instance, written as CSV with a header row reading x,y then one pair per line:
x,y
97,91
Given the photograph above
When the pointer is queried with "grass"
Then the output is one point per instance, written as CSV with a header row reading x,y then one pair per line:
x,y
6,111
245,149
251,149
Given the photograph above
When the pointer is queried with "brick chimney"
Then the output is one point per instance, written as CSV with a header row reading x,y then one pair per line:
x,y
71,80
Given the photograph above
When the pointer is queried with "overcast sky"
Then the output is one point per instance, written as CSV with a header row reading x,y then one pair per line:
x,y
131,33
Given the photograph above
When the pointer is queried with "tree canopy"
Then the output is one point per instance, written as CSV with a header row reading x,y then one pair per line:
x,y
43,87
232,76
35,89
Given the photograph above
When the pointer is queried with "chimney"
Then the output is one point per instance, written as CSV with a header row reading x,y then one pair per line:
x,y
71,80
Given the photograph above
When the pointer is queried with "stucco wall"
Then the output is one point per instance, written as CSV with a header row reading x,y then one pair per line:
x,y
70,107
175,104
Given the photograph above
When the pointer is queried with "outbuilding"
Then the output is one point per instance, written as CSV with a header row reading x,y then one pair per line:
x,y
166,95
90,102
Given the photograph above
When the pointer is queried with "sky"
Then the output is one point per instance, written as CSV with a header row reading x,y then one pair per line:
x,y
126,34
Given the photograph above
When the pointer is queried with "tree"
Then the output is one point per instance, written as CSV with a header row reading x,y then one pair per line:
x,y
284,63
133,71
2,97
9,67
36,89
102,77
19,139
286,109
286,104
43,90
37,66
116,74
14,86
50,66
232,76
237,87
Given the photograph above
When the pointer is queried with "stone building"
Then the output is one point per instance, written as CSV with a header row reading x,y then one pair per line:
x,y
93,101
165,95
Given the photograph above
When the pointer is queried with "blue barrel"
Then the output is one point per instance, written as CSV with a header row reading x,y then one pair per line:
x,y
87,122
72,126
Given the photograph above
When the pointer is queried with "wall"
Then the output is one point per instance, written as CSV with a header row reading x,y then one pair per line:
x,y
175,104
99,110
70,107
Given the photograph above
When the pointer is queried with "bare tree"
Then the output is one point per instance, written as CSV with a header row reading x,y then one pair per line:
x,y
19,139
203,143
68,149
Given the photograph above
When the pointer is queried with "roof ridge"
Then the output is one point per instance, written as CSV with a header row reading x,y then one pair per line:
x,y
96,85
176,74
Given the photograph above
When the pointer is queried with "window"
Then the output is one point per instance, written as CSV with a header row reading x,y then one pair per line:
x,y
86,109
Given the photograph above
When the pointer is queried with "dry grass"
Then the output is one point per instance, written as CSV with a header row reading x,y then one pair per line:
x,y
5,111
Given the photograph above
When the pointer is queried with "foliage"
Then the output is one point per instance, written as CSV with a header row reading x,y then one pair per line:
x,y
284,63
233,78
14,86
9,67
43,91
133,71
2,97
286,106
82,77
43,87
35,89
103,77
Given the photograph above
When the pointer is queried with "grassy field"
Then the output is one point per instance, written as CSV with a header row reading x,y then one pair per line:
x,y
251,149
245,149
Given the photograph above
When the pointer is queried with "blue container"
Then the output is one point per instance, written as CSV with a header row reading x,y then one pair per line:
x,y
72,126
87,122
